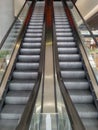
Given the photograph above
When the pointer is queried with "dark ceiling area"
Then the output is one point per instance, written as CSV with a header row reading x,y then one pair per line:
x,y
93,21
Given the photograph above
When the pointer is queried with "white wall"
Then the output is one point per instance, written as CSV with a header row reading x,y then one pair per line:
x,y
87,7
6,16
17,6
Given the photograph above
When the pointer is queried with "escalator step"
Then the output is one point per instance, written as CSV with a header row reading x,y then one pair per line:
x,y
25,75
81,96
33,34
63,26
29,51
27,66
69,57
65,39
32,39
66,44
67,50
37,20
8,124
61,23
17,97
35,24
73,74
91,124
87,110
63,34
76,84
21,85
31,45
63,29
35,17
60,17
34,30
61,20
70,65
28,58
12,111
34,27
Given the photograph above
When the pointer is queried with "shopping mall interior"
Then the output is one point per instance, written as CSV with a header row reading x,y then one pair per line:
x,y
48,65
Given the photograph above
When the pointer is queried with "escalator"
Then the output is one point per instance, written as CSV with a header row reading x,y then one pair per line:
x,y
24,74
73,71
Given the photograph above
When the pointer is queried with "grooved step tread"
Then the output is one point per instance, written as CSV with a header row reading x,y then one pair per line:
x,y
29,51
70,65
81,96
78,74
27,66
21,84
8,124
29,58
69,57
90,124
67,50
17,97
76,84
87,110
31,45
12,111
25,75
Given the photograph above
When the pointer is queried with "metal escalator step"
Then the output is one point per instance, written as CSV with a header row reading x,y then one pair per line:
x,y
63,26
17,97
61,20
90,124
12,111
21,85
60,17
86,110
65,39
33,34
34,27
81,96
70,65
8,124
63,34
35,24
67,50
31,45
61,23
32,39
79,74
63,30
30,58
29,51
76,84
66,44
25,75
69,57
34,30
27,66
35,17
37,20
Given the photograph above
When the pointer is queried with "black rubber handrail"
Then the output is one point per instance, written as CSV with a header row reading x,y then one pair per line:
x,y
92,35
10,28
